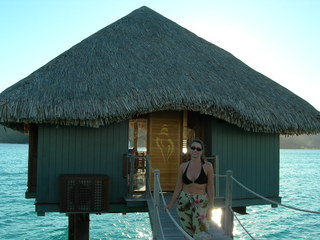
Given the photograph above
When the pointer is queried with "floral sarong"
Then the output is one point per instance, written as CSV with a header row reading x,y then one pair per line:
x,y
192,210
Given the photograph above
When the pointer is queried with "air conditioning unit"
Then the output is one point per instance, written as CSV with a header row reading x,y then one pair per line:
x,y
84,193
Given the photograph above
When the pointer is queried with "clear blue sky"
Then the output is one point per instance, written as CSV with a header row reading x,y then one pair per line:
x,y
279,38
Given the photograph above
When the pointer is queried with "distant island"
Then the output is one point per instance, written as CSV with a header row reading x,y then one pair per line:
x,y
8,135
300,142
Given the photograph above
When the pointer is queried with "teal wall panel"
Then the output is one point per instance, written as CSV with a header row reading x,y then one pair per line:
x,y
80,150
253,158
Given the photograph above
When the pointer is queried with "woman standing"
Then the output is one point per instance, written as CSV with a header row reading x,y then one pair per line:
x,y
194,191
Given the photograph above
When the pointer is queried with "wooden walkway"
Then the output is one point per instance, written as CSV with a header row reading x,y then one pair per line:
x,y
170,231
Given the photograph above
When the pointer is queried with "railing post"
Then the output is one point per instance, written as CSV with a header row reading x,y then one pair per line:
x,y
228,215
156,193
217,180
131,181
147,176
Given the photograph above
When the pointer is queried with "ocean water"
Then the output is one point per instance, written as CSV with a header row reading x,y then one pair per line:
x,y
299,187
18,219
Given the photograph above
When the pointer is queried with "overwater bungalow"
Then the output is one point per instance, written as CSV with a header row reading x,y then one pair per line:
x,y
145,86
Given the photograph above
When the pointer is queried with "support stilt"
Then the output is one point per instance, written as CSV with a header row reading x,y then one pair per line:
x,y
78,226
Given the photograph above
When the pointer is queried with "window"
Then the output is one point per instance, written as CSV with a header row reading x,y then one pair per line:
x,y
138,136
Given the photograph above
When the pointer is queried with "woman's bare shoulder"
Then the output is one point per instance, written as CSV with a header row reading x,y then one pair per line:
x,y
208,164
183,164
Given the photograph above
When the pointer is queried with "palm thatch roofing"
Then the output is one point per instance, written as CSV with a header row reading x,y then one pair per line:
x,y
144,63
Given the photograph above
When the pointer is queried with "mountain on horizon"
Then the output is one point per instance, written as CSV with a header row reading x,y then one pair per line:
x,y
8,135
300,142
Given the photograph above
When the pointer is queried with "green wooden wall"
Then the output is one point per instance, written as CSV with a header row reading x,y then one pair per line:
x,y
80,150
253,158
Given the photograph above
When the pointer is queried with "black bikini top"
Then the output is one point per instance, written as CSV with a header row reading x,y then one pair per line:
x,y
202,179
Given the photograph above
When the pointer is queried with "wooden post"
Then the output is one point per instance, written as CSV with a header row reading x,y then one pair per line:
x,y
32,161
217,179
131,176
156,190
228,215
78,226
147,176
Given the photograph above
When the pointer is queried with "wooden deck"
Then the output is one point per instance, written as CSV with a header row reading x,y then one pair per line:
x,y
170,231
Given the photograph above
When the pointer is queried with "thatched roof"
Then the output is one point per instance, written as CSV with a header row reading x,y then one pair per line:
x,y
144,63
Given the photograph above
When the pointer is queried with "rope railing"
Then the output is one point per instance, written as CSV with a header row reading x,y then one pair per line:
x,y
160,192
271,201
148,179
160,224
218,175
264,198
157,180
154,201
155,204
230,208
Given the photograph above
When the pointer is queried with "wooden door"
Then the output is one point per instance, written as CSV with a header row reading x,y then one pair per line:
x,y
165,145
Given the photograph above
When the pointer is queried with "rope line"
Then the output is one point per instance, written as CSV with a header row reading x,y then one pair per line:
x,y
158,215
160,224
186,235
218,175
230,208
151,196
167,211
271,201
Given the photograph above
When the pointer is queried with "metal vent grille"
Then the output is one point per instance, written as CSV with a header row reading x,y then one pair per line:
x,y
84,193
